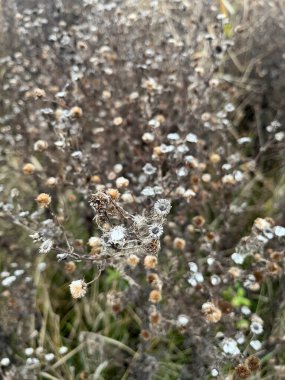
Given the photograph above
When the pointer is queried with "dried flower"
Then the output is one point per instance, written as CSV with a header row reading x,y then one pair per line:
x,y
46,246
242,371
40,145
155,230
198,221
162,207
253,363
78,288
114,194
155,296
155,318
122,182
76,112
211,312
150,262
133,260
28,169
145,335
43,200
179,243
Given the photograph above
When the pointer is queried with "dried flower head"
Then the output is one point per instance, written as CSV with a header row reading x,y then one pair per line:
x,y
76,112
253,363
150,262
78,288
155,296
198,221
122,182
28,169
162,207
114,194
145,334
211,312
179,243
155,230
242,371
133,260
43,200
40,145
155,318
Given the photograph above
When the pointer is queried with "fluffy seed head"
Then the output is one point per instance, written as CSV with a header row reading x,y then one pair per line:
x,y
179,243
150,262
211,312
78,288
155,296
122,182
76,112
43,200
133,260
28,169
40,145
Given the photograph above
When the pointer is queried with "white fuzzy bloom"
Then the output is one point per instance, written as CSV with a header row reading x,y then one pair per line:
x,y
29,351
240,338
229,346
193,267
122,182
32,361
148,137
63,350
46,246
256,344
5,362
94,241
182,320
245,310
117,235
8,280
214,372
173,136
49,357
78,288
237,258
19,272
279,231
192,138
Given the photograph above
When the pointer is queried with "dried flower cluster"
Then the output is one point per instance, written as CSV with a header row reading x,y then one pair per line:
x,y
142,163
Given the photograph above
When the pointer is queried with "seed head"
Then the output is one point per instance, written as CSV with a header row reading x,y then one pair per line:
x,y
76,112
242,371
155,296
150,262
43,200
78,288
28,169
179,243
253,363
211,312
133,260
